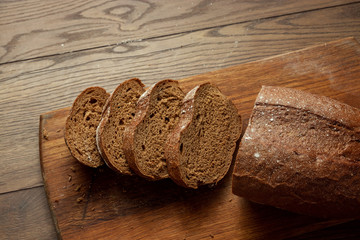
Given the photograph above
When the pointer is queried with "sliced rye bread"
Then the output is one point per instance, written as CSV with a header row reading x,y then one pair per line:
x,y
80,127
119,111
201,147
301,152
157,113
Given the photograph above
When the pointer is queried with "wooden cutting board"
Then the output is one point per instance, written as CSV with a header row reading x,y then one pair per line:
x,y
98,204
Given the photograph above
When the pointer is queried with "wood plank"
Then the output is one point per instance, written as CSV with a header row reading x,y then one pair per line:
x,y
25,215
33,28
40,85
349,231
109,205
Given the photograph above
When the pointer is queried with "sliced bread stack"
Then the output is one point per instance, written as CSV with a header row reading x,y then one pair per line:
x,y
300,152
157,114
162,133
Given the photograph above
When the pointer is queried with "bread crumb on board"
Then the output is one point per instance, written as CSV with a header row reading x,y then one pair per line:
x,y
80,200
78,187
73,169
45,134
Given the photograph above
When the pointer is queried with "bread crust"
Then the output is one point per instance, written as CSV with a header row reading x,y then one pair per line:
x,y
272,169
128,146
172,152
68,122
99,131
316,104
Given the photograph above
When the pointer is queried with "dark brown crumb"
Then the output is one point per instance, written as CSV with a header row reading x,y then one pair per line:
x,y
164,100
193,155
93,209
80,199
73,169
59,130
45,134
56,200
211,236
70,177
80,126
120,112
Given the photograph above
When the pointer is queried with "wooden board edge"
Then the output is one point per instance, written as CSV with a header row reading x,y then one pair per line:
x,y
353,40
42,136
45,115
319,45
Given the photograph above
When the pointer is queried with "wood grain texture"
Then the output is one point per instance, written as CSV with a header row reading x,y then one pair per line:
x,y
108,205
33,28
40,85
20,213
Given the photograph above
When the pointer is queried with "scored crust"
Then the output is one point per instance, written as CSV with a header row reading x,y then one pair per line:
x,y
212,129
316,104
301,152
147,107
118,112
81,124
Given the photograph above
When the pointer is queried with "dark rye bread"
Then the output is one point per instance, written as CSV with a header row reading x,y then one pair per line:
x,y
157,113
80,127
301,153
201,147
119,111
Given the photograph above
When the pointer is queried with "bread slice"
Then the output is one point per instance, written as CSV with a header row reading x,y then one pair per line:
x,y
80,127
301,152
120,110
201,147
157,113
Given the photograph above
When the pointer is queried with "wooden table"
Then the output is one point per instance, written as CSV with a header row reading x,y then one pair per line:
x,y
50,51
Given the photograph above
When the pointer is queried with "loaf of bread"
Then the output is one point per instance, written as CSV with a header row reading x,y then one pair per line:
x,y
157,113
80,127
200,149
301,153
119,111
